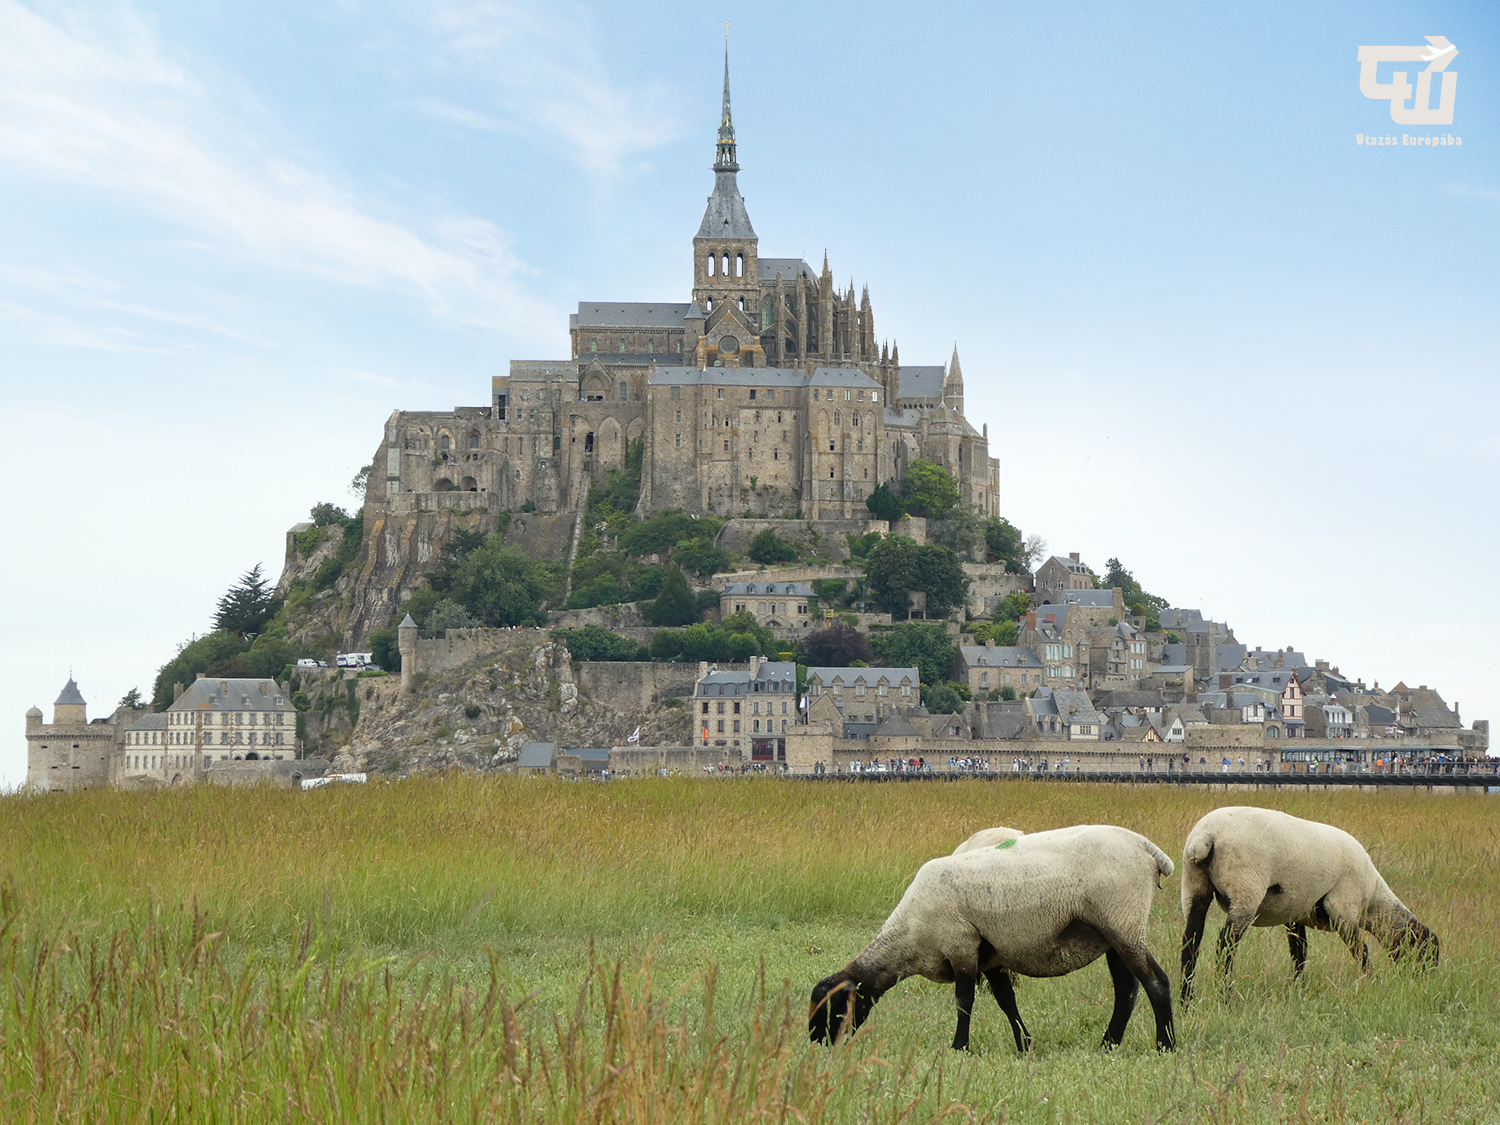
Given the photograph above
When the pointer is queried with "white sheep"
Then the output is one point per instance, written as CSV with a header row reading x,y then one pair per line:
x,y
1040,905
1266,868
988,838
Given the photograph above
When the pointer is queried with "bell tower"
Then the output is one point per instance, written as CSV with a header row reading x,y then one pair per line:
x,y
726,272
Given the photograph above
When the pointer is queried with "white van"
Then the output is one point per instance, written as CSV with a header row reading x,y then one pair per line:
x,y
356,659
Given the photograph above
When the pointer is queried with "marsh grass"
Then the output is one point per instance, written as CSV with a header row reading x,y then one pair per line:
x,y
446,949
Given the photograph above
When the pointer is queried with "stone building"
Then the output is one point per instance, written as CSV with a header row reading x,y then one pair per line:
x,y
1057,575
71,753
766,391
776,605
738,710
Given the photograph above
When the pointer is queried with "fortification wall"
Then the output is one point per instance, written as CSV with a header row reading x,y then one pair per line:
x,y
457,648
633,685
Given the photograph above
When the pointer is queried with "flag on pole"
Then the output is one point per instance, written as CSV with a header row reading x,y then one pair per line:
x,y
636,737
803,703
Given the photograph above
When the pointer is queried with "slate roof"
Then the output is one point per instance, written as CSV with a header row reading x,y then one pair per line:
x,y
725,216
1001,722
851,377
847,676
895,726
789,268
768,589
631,314
156,720
1178,618
922,382
1175,655
1123,698
772,675
1001,656
772,377
232,695
70,694
1071,566
1092,599
1074,706
537,756
1228,657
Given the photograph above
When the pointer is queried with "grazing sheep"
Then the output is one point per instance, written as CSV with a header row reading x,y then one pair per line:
x,y
1270,869
988,838
1040,906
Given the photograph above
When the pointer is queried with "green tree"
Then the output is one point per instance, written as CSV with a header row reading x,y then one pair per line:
x,y
1137,601
593,642
1003,540
385,648
941,699
359,485
700,642
131,700
500,585
448,614
247,606
269,655
923,644
676,604
837,646
929,489
742,646
891,571
960,531
884,504
700,556
194,656
941,577
666,645
860,546
768,547
325,513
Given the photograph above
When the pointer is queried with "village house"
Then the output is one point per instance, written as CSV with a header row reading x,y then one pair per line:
x,y
738,710
990,667
775,605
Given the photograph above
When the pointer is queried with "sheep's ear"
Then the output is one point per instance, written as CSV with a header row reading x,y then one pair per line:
x,y
818,1011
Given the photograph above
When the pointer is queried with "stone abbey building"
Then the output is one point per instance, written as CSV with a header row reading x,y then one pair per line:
x,y
766,392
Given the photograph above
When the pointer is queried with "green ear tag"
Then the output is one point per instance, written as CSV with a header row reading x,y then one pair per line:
x,y
1006,843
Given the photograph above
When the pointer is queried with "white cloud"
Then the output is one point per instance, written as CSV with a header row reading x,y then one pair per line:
x,y
110,114
548,78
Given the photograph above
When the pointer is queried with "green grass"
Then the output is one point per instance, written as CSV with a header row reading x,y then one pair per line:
x,y
444,949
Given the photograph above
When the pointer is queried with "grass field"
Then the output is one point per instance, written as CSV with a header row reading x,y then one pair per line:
x,y
505,950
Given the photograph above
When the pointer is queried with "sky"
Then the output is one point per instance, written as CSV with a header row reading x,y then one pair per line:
x,y
1211,335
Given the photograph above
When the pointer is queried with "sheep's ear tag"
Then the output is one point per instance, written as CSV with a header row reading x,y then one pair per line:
x,y
1006,844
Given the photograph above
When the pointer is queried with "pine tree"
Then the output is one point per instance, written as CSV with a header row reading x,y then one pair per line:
x,y
247,606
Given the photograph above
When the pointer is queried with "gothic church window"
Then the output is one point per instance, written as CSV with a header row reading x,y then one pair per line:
x,y
624,390
713,261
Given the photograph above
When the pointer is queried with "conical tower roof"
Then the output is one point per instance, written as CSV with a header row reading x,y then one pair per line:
x,y
70,695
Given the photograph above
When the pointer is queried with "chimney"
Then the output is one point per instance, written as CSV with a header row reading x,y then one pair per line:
x,y
1073,555
991,644
1031,620
202,675
177,691
702,668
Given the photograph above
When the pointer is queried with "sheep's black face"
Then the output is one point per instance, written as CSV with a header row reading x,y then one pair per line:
x,y
834,1000
1419,941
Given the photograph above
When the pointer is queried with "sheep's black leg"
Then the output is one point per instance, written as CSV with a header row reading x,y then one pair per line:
x,y
1140,966
1229,940
1296,940
1005,995
963,992
1126,988
1192,939
1356,943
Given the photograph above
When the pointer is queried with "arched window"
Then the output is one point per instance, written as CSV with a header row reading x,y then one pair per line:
x,y
593,345
724,266
473,439
622,343
856,419
837,421
739,266
443,443
624,392
713,261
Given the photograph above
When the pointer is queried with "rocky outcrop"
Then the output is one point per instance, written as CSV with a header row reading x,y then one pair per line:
x,y
479,716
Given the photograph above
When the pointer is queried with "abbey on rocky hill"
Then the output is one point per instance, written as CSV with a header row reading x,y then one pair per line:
x,y
766,393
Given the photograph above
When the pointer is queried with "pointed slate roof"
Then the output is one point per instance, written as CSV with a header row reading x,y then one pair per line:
x,y
70,695
725,216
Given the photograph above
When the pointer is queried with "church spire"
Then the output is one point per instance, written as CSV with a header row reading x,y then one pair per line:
x,y
724,157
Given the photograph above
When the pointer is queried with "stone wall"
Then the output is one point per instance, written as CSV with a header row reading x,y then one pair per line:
x,y
826,537
989,584
634,685
457,648
286,774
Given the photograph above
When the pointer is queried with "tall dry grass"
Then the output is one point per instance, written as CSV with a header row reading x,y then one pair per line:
x,y
516,949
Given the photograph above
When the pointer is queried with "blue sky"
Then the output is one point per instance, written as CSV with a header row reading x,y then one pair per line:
x,y
1210,334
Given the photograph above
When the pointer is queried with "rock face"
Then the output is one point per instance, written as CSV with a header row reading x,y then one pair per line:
x,y
479,716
